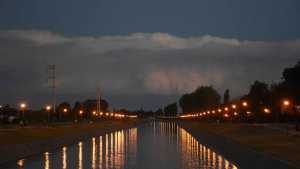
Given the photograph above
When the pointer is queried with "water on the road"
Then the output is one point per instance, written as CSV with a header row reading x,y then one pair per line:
x,y
156,145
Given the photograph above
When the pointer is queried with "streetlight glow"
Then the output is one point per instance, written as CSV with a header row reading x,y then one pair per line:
x,y
245,104
23,105
48,108
233,106
286,103
267,111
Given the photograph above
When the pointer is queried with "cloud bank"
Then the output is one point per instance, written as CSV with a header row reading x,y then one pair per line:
x,y
138,70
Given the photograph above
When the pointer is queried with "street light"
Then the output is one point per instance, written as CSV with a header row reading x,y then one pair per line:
x,y
48,108
226,108
245,104
23,107
233,106
80,112
267,111
286,103
65,110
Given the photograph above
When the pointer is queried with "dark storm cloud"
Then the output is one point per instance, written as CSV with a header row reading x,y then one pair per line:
x,y
132,69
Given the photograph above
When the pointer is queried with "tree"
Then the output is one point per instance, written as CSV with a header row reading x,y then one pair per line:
x,y
291,78
90,106
202,98
226,96
76,110
104,105
171,109
64,110
259,97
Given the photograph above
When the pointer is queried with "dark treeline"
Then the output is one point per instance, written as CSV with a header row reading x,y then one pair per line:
x,y
277,102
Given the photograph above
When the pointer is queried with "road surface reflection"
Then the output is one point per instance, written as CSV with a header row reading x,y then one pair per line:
x,y
155,145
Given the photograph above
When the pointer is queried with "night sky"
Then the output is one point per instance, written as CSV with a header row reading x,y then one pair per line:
x,y
143,53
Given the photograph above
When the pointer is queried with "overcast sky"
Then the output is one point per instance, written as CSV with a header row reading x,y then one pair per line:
x,y
143,53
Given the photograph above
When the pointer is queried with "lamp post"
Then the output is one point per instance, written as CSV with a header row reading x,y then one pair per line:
x,y
22,108
244,112
285,106
48,109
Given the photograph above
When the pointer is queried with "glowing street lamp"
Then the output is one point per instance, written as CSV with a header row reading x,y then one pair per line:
x,y
286,103
248,113
267,111
233,106
245,104
80,112
48,108
65,110
226,108
219,110
22,108
20,163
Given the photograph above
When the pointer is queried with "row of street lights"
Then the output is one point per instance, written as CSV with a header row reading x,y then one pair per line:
x,y
285,103
23,106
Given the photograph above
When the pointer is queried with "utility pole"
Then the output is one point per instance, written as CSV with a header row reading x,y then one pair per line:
x,y
52,84
98,101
